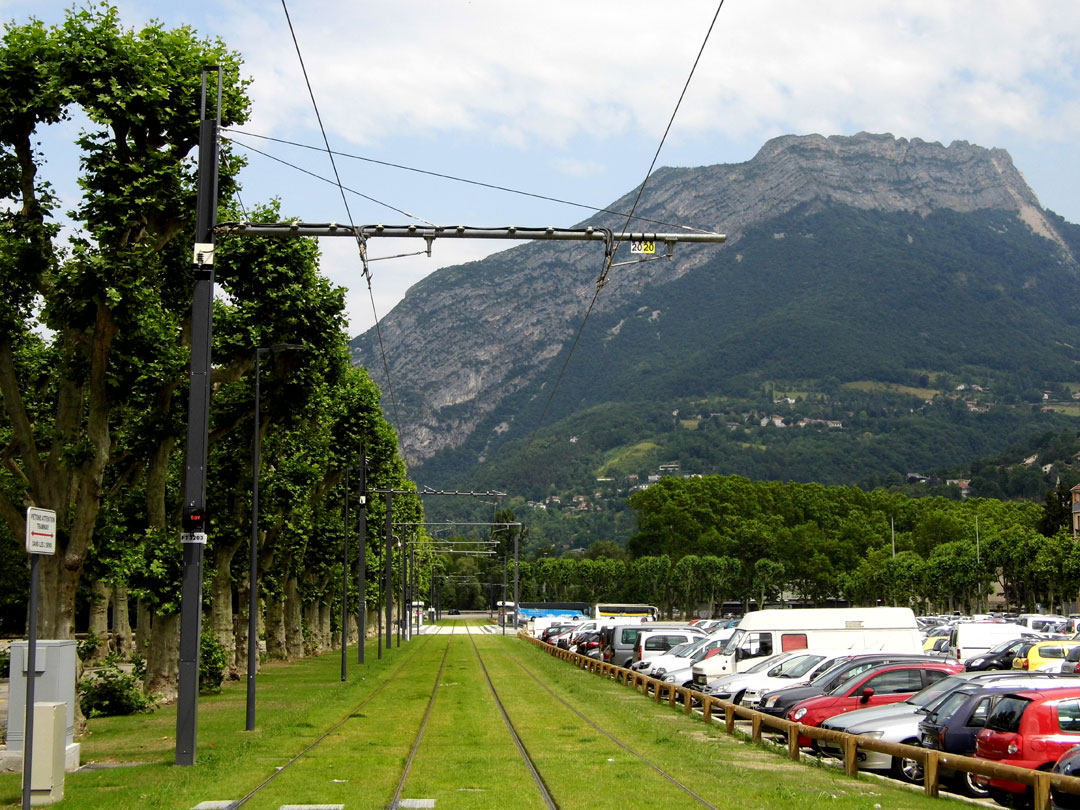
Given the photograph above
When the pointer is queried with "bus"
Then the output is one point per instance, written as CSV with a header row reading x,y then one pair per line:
x,y
648,613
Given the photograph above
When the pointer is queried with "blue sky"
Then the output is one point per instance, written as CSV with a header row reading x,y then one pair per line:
x,y
570,99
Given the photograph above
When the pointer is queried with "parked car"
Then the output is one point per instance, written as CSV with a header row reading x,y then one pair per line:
x,y
680,670
899,722
1031,729
779,702
676,652
620,641
1067,765
952,725
790,667
999,657
1043,652
589,645
1071,664
888,683
652,643
554,630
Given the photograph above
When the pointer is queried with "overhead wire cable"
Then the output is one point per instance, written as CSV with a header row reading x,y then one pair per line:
x,y
610,256
493,186
359,241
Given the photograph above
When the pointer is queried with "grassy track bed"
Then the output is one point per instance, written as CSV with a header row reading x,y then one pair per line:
x,y
295,704
360,762
467,759
726,771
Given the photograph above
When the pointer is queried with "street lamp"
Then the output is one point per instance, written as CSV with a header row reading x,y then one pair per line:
x,y
253,597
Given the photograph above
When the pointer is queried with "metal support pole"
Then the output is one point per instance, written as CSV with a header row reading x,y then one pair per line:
x,y
362,619
389,596
403,608
345,587
253,560
31,680
202,310
517,604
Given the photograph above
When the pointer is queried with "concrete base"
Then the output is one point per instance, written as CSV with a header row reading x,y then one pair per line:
x,y
13,760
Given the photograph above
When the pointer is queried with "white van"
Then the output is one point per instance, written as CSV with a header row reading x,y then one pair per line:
x,y
767,632
975,638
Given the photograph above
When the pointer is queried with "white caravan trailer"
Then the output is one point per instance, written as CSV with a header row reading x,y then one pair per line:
x,y
767,632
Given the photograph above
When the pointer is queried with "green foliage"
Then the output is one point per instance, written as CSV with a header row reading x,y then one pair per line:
x,y
213,658
5,662
86,647
111,691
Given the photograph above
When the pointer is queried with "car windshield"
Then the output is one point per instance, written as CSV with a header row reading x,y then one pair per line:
x,y
706,647
795,667
762,666
842,684
732,643
681,649
834,671
1002,647
935,691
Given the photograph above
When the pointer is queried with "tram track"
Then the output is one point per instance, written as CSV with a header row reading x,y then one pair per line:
x,y
640,757
323,737
538,779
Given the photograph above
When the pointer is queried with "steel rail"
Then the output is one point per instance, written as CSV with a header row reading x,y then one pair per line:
x,y
421,730
240,803
540,783
689,791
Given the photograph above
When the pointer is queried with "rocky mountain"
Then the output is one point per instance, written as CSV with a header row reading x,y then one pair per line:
x,y
849,259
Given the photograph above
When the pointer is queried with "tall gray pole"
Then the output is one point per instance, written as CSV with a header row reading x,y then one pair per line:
x,y
31,681
253,561
362,619
403,617
517,604
194,510
389,570
345,587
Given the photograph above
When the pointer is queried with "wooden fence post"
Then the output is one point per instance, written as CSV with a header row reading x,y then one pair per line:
x,y
1042,790
706,709
851,763
930,773
793,741
729,719
755,729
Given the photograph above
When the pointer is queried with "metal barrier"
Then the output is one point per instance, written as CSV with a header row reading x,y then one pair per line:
x,y
931,760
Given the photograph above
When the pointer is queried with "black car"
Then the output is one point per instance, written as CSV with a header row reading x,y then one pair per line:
x,y
953,724
1068,765
999,657
779,701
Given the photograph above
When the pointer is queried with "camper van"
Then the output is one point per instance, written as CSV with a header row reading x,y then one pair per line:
x,y
767,632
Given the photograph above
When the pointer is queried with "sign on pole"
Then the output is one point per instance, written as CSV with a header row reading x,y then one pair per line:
x,y
40,531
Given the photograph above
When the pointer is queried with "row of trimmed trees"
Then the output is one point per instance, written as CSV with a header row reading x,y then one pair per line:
x,y
706,541
94,356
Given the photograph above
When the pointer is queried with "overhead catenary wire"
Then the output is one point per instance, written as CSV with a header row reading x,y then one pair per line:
x,y
359,242
609,257
493,186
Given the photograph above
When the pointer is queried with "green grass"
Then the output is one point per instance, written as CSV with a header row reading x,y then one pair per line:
x,y
466,759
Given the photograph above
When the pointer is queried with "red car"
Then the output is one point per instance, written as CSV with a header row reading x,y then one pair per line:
x,y
1031,729
878,686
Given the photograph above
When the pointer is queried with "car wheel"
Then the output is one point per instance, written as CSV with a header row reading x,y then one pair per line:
x,y
907,770
965,783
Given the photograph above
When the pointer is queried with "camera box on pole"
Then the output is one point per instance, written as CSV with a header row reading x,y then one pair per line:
x,y
55,665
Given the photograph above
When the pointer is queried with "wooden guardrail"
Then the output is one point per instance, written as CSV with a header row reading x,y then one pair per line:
x,y
713,708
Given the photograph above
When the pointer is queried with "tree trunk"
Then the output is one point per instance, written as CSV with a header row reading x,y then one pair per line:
x,y
162,658
142,628
221,601
99,621
294,623
122,622
275,630
239,660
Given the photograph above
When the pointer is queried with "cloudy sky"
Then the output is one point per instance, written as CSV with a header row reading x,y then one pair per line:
x,y
570,99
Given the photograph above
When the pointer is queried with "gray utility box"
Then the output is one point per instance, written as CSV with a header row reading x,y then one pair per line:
x,y
55,663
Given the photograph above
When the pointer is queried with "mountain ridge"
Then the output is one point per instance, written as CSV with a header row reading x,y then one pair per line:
x,y
469,337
